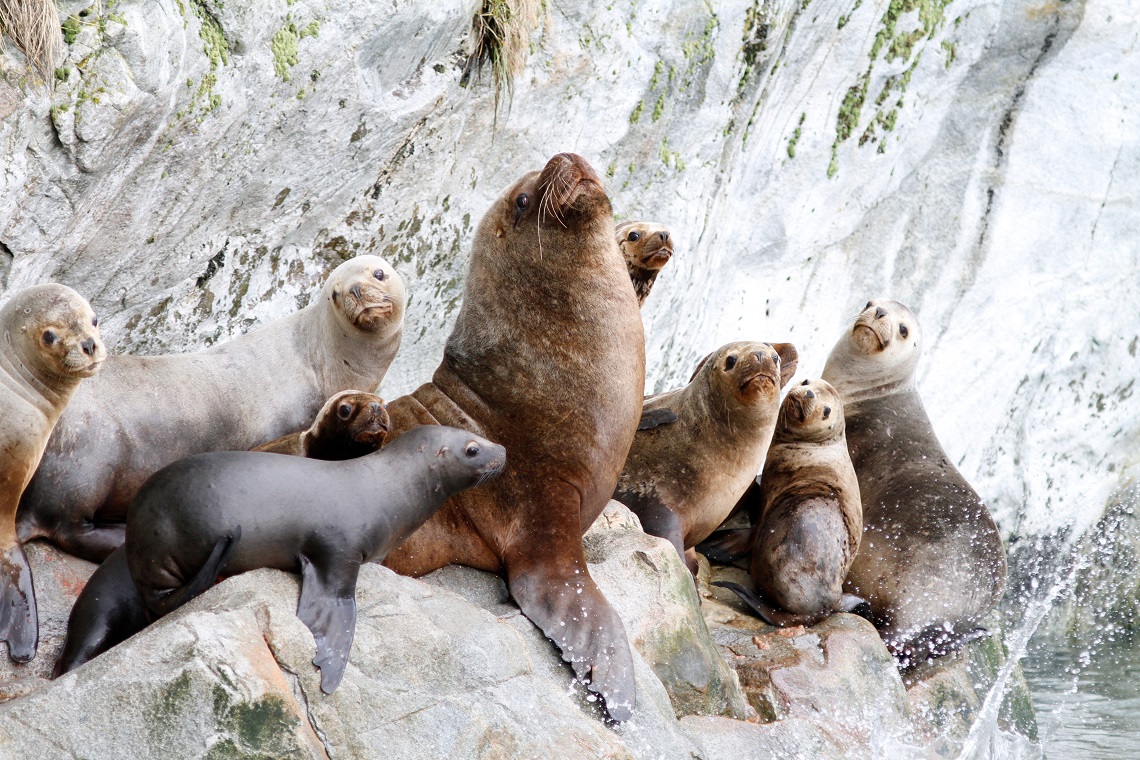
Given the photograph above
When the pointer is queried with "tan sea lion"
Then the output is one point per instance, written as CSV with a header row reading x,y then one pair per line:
x,y
349,425
547,357
50,344
647,248
699,447
931,563
810,519
144,412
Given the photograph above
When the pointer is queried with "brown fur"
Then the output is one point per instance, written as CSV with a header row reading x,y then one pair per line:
x,y
349,425
547,357
49,342
647,248
683,478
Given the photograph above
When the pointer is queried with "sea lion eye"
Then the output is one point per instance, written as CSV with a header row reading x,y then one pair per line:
x,y
805,382
634,237
730,362
472,450
903,331
522,202
379,275
94,321
826,412
49,337
776,358
344,411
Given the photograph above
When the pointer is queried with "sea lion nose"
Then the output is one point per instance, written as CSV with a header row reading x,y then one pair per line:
x,y
809,394
88,346
880,312
355,290
664,236
375,407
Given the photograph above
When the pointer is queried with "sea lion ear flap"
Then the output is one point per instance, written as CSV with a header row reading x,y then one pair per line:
x,y
789,358
700,364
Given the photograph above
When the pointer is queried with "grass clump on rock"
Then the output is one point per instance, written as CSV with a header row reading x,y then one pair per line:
x,y
500,38
33,26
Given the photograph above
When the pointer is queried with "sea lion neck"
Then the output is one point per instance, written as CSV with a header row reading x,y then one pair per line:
x,y
43,387
366,355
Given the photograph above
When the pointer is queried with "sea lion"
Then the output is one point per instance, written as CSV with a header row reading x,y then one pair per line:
x,y
698,447
931,563
647,248
51,343
547,357
810,519
110,609
144,412
267,510
349,425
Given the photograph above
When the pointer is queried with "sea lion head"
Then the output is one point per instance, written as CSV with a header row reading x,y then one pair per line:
x,y
355,416
55,331
547,214
368,294
878,355
645,245
748,374
812,412
461,458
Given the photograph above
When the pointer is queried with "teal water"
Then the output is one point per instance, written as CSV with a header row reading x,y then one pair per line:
x,y
1087,698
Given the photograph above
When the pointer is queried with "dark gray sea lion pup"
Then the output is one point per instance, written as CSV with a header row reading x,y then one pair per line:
x,y
349,425
49,343
145,412
547,357
699,447
931,563
647,248
810,520
231,512
110,609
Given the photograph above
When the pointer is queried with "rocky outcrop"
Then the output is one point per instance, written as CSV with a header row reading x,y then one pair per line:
x,y
447,666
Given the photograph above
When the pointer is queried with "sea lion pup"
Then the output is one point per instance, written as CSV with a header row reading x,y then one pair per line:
x,y
810,520
349,425
145,412
647,248
233,511
931,563
698,447
110,609
548,358
50,344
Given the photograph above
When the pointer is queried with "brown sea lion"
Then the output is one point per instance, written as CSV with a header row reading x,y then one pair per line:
x,y
647,248
227,512
50,344
698,447
810,519
349,425
144,412
547,357
931,563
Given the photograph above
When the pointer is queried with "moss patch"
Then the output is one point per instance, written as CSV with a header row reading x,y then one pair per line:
x,y
285,49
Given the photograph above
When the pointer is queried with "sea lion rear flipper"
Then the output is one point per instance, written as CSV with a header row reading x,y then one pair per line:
x,y
572,612
19,624
652,418
328,608
725,547
206,576
109,610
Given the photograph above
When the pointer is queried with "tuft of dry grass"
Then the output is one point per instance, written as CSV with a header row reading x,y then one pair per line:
x,y
500,38
33,25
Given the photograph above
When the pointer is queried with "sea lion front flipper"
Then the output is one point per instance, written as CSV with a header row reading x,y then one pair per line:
x,y
651,418
206,576
328,608
572,612
766,611
109,610
725,547
19,623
